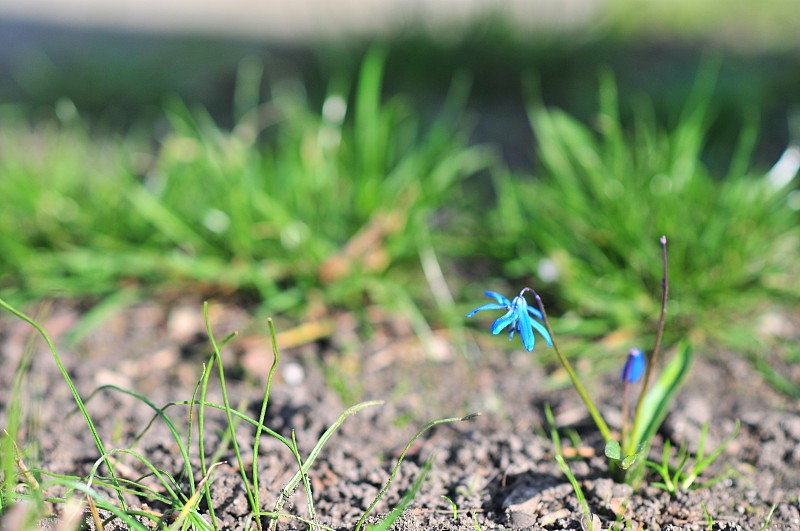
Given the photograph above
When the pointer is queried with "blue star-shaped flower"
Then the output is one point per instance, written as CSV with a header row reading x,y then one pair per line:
x,y
520,316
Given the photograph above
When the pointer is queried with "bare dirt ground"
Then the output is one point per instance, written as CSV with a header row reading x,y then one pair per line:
x,y
498,470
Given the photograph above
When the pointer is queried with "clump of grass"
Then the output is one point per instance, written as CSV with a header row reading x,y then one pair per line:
x,y
104,494
605,192
684,477
63,198
291,200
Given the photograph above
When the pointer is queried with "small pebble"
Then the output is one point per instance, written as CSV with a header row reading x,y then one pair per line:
x,y
293,373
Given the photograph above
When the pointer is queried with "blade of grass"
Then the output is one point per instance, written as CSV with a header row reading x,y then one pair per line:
x,y
101,312
291,486
191,503
159,414
396,468
588,518
262,414
307,485
175,497
655,405
75,395
407,498
228,413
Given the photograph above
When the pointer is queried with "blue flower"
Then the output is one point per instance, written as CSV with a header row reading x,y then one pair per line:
x,y
634,366
521,317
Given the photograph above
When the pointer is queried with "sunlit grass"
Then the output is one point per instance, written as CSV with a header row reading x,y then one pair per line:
x,y
584,227
291,200
178,494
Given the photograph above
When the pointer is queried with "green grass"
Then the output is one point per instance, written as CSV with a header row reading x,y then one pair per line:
x,y
585,230
291,200
22,485
359,199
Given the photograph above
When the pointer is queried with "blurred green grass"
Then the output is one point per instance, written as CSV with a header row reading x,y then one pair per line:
x,y
291,200
356,199
587,226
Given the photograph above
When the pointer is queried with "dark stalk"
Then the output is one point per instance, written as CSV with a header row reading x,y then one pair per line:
x,y
651,361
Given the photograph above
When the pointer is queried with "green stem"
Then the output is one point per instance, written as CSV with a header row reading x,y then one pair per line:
x,y
75,395
629,446
259,428
624,430
231,426
595,414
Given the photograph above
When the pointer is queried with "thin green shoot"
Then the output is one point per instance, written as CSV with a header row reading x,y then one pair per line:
x,y
224,443
396,468
453,506
709,518
125,515
190,506
475,521
407,498
584,505
9,460
769,517
262,414
701,461
312,516
574,438
621,522
201,416
668,482
674,478
75,395
174,496
554,436
602,427
159,414
288,490
183,448
562,463
12,458
229,415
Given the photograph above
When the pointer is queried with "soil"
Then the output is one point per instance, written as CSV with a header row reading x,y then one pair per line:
x,y
498,471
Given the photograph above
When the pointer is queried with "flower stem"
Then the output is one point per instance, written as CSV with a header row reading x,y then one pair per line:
x,y
623,433
598,419
629,445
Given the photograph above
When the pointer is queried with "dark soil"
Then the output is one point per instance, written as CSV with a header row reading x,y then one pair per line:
x,y
498,470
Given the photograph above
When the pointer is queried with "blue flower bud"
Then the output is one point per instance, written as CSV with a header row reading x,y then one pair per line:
x,y
634,366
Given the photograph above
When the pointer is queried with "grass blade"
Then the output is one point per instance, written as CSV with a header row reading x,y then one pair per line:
x,y
75,395
292,484
396,468
407,498
656,404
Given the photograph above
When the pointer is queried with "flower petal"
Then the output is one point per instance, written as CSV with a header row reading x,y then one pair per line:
x,y
534,312
489,306
502,322
498,297
543,331
526,330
